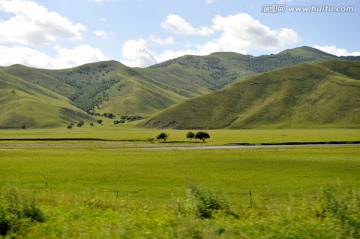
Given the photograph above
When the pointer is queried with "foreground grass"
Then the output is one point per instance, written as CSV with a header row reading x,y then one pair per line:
x,y
159,175
331,213
103,190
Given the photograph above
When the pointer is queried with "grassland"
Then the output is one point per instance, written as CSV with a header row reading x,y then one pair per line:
x,y
129,133
140,189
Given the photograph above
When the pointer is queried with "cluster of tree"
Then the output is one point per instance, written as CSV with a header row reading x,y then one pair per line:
x,y
128,118
267,63
93,95
80,124
201,135
108,115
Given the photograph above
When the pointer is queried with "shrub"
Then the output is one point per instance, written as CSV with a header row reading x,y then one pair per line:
x,y
345,208
202,135
17,212
205,202
190,135
163,136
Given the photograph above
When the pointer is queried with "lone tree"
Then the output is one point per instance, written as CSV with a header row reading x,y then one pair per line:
x,y
202,135
163,136
190,135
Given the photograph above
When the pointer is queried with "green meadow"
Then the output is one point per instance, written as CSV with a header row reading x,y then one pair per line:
x,y
132,187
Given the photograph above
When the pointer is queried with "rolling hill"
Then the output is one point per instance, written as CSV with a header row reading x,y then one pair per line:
x,y
309,95
24,105
111,87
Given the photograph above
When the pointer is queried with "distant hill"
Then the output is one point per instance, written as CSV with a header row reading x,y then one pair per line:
x,y
111,87
24,105
309,95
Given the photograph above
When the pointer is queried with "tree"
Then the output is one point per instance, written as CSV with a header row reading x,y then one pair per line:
x,y
202,135
190,135
81,123
163,136
99,121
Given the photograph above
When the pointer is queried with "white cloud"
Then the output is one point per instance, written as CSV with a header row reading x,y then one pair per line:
x,y
162,42
241,33
64,58
32,24
103,34
178,25
138,53
25,56
77,56
336,51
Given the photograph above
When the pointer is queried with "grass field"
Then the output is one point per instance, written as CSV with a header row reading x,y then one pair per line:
x,y
218,137
121,189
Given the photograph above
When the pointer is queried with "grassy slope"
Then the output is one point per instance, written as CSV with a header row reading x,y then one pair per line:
x,y
26,104
304,96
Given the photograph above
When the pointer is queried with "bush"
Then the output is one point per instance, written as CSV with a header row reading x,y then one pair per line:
x,y
190,135
205,202
202,135
17,212
345,208
163,136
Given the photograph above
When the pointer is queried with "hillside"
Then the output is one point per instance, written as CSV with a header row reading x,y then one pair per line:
x,y
111,87
309,95
24,105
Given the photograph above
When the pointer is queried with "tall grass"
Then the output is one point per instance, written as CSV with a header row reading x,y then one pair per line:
x,y
328,213
17,213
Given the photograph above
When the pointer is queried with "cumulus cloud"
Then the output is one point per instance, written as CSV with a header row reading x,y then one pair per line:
x,y
138,53
77,56
25,56
336,51
64,57
178,25
241,33
32,24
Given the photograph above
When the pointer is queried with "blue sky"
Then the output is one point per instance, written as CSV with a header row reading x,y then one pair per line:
x,y
61,34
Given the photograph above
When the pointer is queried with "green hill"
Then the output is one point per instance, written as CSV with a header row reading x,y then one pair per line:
x,y
24,104
111,87
309,95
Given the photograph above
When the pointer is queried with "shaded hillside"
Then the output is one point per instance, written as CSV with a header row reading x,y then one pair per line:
x,y
24,105
325,94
